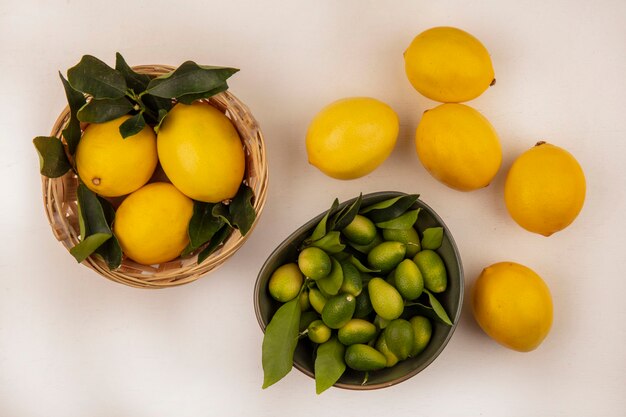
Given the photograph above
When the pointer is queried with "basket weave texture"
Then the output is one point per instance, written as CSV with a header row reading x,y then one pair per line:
x,y
59,195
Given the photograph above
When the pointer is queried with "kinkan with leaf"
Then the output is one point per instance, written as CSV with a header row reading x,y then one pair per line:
x,y
345,300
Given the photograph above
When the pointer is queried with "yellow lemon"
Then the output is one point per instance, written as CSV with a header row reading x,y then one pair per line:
x,y
151,223
448,65
513,305
351,137
112,166
545,189
201,152
458,146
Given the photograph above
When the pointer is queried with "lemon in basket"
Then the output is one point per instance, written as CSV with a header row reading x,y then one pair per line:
x,y
201,152
112,166
151,223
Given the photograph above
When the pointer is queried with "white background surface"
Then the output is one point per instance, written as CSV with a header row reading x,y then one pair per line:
x,y
74,344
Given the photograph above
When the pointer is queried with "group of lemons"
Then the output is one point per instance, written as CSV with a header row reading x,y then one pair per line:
x,y
544,190
202,156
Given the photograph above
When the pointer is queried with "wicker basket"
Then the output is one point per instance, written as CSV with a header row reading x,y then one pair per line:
x,y
59,195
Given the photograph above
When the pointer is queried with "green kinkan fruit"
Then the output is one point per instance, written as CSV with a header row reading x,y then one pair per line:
x,y
399,337
367,248
386,300
422,330
362,357
304,300
381,346
360,231
352,282
356,331
338,310
285,282
317,300
314,263
386,256
433,270
318,332
363,305
408,280
408,236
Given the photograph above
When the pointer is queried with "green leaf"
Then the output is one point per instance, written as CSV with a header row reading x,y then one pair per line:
x,y
438,308
345,216
417,308
380,205
397,208
160,119
366,378
417,304
89,245
329,364
402,222
75,100
189,78
137,82
432,238
96,78
241,210
95,228
341,256
320,230
331,283
190,98
110,250
306,318
53,161
202,226
218,238
81,224
156,108
280,341
359,265
93,213
107,210
330,242
220,210
103,110
132,126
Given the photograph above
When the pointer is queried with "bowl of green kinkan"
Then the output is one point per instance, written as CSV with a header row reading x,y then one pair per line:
x,y
363,296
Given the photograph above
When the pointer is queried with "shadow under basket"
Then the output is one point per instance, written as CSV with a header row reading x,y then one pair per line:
x,y
59,195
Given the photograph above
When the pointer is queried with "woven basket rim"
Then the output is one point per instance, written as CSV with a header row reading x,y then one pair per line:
x,y
60,202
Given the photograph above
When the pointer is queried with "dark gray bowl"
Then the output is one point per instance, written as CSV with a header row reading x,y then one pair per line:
x,y
452,299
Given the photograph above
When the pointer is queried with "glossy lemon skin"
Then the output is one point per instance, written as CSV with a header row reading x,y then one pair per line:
x,y
151,223
458,146
545,189
448,65
201,152
513,305
112,166
351,137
